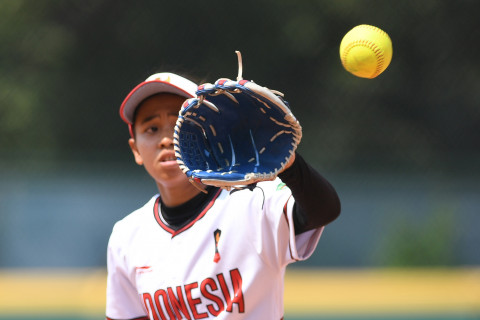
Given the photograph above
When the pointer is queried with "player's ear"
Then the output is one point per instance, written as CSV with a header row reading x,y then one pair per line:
x,y
136,154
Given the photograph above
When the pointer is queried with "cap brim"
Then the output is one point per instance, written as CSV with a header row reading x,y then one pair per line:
x,y
149,88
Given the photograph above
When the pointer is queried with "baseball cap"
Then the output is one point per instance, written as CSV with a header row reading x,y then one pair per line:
x,y
156,83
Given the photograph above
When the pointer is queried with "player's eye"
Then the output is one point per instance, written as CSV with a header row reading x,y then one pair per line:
x,y
151,129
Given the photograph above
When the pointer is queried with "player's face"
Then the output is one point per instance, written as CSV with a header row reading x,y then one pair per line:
x,y
153,143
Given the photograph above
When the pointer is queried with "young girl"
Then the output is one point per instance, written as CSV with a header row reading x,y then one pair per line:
x,y
221,254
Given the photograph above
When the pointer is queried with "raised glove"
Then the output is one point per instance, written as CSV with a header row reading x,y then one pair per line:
x,y
234,134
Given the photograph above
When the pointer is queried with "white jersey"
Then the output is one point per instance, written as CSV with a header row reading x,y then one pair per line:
x,y
229,263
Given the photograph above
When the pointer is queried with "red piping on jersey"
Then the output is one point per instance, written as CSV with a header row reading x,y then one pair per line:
x,y
156,212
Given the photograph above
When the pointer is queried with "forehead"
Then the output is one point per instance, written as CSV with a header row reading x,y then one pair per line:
x,y
158,103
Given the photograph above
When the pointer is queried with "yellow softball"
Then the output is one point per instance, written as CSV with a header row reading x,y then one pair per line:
x,y
366,51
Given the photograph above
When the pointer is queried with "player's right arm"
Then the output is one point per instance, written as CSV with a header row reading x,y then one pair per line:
x,y
123,301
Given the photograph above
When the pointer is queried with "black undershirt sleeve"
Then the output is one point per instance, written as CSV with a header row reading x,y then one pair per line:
x,y
316,201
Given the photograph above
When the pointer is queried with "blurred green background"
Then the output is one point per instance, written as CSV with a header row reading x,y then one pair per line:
x,y
402,150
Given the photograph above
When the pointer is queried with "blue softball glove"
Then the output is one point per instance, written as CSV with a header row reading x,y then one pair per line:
x,y
235,133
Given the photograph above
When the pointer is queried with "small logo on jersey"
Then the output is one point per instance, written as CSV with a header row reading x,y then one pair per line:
x,y
281,186
143,269
216,236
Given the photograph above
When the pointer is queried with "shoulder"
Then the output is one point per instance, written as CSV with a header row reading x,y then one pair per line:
x,y
265,195
274,187
266,189
271,184
129,226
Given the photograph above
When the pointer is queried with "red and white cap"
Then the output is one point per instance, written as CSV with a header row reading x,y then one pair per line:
x,y
156,83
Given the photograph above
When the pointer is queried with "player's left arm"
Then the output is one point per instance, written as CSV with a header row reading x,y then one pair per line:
x,y
316,201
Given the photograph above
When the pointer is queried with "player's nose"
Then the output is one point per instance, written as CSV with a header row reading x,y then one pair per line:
x,y
166,140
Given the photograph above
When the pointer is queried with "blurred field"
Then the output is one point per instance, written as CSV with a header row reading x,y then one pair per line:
x,y
380,292
402,150
452,294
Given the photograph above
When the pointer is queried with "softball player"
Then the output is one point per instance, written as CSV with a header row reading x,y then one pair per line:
x,y
221,254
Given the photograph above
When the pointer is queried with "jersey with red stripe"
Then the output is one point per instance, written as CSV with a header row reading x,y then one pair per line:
x,y
228,263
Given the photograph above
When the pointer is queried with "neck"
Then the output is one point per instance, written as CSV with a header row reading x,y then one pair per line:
x,y
177,194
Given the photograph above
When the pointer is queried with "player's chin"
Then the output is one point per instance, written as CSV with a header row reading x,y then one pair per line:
x,y
172,178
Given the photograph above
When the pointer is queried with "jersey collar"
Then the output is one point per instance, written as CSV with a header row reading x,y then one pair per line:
x,y
166,227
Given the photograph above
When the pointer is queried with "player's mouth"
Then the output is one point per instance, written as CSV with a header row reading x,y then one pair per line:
x,y
168,158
